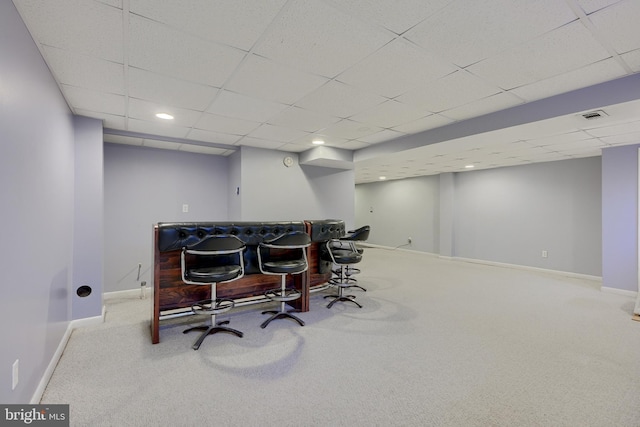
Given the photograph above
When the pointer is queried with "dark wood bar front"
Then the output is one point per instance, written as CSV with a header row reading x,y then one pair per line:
x,y
172,296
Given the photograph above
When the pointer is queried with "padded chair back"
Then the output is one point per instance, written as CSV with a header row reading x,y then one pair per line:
x,y
360,235
216,259
284,263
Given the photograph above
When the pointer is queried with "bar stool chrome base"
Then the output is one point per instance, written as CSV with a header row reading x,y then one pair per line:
x,y
212,307
341,296
282,295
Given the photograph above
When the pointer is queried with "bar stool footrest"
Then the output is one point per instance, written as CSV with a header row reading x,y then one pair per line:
x,y
217,306
281,295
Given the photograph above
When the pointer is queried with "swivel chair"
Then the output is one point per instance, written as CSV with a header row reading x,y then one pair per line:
x,y
351,239
281,256
343,254
218,259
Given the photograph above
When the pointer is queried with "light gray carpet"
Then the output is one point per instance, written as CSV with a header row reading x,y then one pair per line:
x,y
438,343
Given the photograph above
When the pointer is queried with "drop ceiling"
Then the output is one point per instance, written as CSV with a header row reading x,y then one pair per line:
x,y
379,78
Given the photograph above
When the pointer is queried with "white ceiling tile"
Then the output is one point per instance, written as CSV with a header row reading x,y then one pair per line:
x,y
384,135
623,139
591,74
86,27
349,129
262,78
565,49
590,6
310,35
277,133
396,68
582,152
330,141
113,3
586,144
169,91
293,148
543,156
564,138
632,59
85,71
145,110
615,129
163,50
482,106
339,100
260,143
157,128
390,114
231,104
451,91
209,136
235,23
397,17
299,118
216,123
619,25
87,99
111,121
204,150
425,123
466,32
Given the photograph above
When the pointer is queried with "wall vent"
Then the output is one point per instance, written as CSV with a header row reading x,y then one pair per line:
x,y
592,115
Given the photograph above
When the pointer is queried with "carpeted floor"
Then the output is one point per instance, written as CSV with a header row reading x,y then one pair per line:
x,y
437,343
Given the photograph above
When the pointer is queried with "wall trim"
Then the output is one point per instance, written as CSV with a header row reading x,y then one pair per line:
x,y
526,267
73,324
619,291
128,293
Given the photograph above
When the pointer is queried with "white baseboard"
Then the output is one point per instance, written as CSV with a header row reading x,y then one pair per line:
x,y
74,324
129,293
619,291
526,267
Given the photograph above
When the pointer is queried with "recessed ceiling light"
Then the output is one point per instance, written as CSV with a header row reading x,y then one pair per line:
x,y
470,166
382,178
164,116
317,142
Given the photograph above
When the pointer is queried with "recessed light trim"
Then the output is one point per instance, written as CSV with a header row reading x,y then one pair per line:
x,y
164,116
318,142
470,166
382,178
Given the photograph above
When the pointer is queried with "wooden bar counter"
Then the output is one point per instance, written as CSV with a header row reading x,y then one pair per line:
x,y
172,297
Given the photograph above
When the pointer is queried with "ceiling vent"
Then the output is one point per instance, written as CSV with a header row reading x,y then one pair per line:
x,y
592,115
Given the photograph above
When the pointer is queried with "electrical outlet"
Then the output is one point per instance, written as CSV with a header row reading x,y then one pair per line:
x,y
544,254
185,208
14,376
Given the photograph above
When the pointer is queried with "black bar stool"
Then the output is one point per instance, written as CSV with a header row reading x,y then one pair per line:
x,y
217,259
281,256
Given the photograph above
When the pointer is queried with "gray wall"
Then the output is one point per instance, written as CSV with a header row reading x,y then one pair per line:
x,y
507,215
36,189
512,214
620,217
270,191
144,186
88,235
399,209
